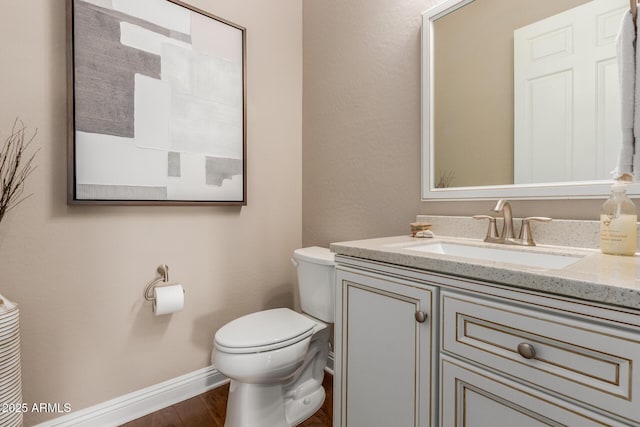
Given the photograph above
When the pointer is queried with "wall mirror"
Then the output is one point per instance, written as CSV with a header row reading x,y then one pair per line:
x,y
520,99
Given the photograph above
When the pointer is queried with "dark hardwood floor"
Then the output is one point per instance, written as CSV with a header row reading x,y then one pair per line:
x,y
208,409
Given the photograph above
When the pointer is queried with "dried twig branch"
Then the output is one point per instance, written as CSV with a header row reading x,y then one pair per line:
x,y
14,168
445,179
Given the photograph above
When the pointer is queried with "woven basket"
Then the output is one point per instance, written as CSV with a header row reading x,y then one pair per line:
x,y
10,371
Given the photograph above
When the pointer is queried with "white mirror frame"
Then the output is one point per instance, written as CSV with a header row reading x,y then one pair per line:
x,y
574,190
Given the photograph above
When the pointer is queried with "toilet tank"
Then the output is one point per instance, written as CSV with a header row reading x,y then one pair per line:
x,y
316,280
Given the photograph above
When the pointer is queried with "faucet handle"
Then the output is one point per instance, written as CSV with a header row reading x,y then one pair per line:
x,y
492,231
525,231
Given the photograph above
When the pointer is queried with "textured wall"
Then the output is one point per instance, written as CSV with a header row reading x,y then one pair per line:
x,y
361,125
361,121
78,272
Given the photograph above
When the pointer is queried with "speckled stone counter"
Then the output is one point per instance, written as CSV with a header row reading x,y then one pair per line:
x,y
595,277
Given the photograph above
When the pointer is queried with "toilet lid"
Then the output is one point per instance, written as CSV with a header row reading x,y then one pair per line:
x,y
264,330
315,255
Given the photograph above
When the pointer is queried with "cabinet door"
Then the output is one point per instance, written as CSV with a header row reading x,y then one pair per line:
x,y
472,397
384,353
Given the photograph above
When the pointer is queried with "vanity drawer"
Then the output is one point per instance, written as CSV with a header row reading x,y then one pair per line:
x,y
583,361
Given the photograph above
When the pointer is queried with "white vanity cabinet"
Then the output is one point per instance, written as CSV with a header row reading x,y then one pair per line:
x,y
530,364
475,397
504,356
385,351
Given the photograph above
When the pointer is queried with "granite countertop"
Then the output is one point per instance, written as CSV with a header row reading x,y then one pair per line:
x,y
595,277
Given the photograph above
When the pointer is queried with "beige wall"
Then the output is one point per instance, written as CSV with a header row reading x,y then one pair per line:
x,y
78,273
361,118
361,125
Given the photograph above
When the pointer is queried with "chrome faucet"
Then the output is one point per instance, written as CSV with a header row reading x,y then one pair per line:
x,y
507,236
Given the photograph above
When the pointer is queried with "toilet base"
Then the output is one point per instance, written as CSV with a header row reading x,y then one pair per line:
x,y
299,410
254,405
251,405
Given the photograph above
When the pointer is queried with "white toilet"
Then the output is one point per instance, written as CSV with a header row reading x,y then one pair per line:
x,y
276,358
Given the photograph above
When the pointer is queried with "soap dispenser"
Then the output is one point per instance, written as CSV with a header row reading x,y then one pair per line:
x,y
618,223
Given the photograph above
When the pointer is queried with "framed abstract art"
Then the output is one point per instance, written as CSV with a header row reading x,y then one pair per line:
x,y
156,105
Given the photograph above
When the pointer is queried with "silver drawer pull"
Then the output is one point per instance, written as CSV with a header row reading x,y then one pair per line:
x,y
526,350
421,316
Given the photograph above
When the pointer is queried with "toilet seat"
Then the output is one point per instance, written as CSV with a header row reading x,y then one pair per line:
x,y
264,331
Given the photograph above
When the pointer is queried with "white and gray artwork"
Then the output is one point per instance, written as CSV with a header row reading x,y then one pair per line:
x,y
158,98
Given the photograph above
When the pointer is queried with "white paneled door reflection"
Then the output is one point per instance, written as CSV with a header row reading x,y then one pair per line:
x,y
567,109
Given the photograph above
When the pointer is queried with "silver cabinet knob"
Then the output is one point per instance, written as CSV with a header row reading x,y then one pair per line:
x,y
421,316
526,350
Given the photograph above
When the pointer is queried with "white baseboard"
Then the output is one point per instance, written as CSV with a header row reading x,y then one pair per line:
x,y
142,402
330,363
139,403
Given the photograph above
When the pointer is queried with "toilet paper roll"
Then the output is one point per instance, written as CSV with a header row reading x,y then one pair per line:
x,y
169,299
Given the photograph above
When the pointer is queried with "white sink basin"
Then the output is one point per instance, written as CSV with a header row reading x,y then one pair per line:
x,y
507,255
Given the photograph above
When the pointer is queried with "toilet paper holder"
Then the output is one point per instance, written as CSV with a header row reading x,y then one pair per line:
x,y
163,270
